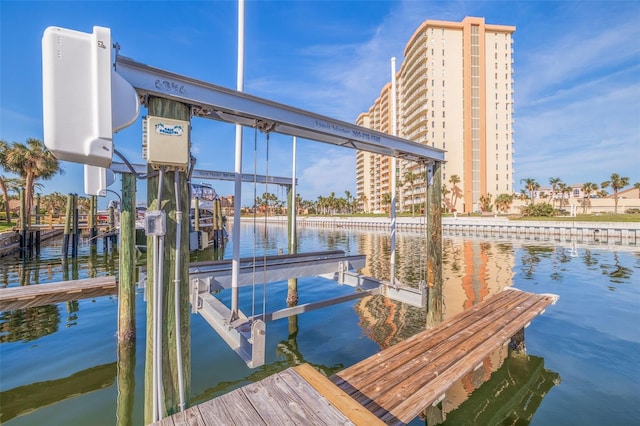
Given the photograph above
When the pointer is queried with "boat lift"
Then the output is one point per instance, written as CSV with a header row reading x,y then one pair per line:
x,y
247,335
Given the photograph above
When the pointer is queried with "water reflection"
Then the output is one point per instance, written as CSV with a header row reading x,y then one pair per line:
x,y
24,399
25,325
504,387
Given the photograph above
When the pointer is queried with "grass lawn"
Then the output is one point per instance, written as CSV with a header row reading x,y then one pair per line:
x,y
5,227
610,217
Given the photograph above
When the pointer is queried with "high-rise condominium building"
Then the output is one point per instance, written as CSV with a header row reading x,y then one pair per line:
x,y
454,92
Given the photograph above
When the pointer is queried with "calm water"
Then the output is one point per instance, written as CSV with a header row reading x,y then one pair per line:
x,y
58,363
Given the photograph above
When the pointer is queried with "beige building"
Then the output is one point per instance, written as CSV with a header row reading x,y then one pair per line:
x,y
454,92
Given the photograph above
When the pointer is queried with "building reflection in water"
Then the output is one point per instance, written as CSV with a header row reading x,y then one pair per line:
x,y
473,270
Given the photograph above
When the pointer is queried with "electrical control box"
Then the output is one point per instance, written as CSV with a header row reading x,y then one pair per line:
x,y
167,142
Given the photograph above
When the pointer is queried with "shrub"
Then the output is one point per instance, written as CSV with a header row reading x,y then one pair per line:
x,y
538,210
632,211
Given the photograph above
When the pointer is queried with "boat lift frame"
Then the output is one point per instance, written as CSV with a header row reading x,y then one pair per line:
x,y
247,335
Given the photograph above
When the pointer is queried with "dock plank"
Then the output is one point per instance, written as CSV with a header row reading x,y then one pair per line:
x,y
399,383
233,408
45,294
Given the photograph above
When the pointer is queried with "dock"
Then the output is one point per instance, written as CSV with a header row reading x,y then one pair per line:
x,y
45,294
391,387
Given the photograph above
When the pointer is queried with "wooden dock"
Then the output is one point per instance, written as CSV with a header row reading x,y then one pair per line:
x,y
45,294
391,387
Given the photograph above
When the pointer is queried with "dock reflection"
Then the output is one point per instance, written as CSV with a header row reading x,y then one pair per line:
x,y
509,385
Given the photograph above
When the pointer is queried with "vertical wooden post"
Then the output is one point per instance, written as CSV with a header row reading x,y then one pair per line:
x,y
92,220
434,249
196,216
112,227
292,283
76,226
126,285
23,221
169,109
67,226
38,221
127,302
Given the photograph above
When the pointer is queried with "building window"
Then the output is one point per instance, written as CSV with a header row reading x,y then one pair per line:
x,y
442,114
443,124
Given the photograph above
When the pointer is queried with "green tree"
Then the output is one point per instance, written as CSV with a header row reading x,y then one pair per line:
x,y
386,200
485,203
564,189
31,161
554,182
456,192
410,178
4,149
616,182
588,188
348,196
532,185
444,192
503,202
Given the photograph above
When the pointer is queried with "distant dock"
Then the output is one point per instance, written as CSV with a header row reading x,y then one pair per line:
x,y
614,233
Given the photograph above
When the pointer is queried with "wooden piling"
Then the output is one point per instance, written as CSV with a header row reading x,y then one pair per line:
x,y
292,283
23,221
76,228
435,302
196,215
127,257
113,235
170,109
67,226
38,223
93,223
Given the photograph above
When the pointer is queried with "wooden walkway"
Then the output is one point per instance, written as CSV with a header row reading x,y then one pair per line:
x,y
45,294
390,387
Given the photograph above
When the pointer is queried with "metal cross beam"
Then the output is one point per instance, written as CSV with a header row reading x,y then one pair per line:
x,y
209,174
219,103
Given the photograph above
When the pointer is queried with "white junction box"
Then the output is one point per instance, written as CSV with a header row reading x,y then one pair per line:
x,y
84,100
167,142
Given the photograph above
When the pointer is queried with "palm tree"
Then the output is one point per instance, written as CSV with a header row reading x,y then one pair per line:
x,y
554,184
4,149
616,183
409,178
588,188
386,200
348,195
456,193
445,191
31,161
531,186
503,202
564,189
362,199
523,195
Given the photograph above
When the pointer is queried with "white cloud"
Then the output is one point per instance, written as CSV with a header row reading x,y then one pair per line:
x,y
331,172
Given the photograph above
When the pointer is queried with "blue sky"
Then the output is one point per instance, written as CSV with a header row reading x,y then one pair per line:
x,y
577,77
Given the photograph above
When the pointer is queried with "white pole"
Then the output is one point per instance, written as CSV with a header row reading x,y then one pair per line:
x,y
294,207
392,265
235,264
